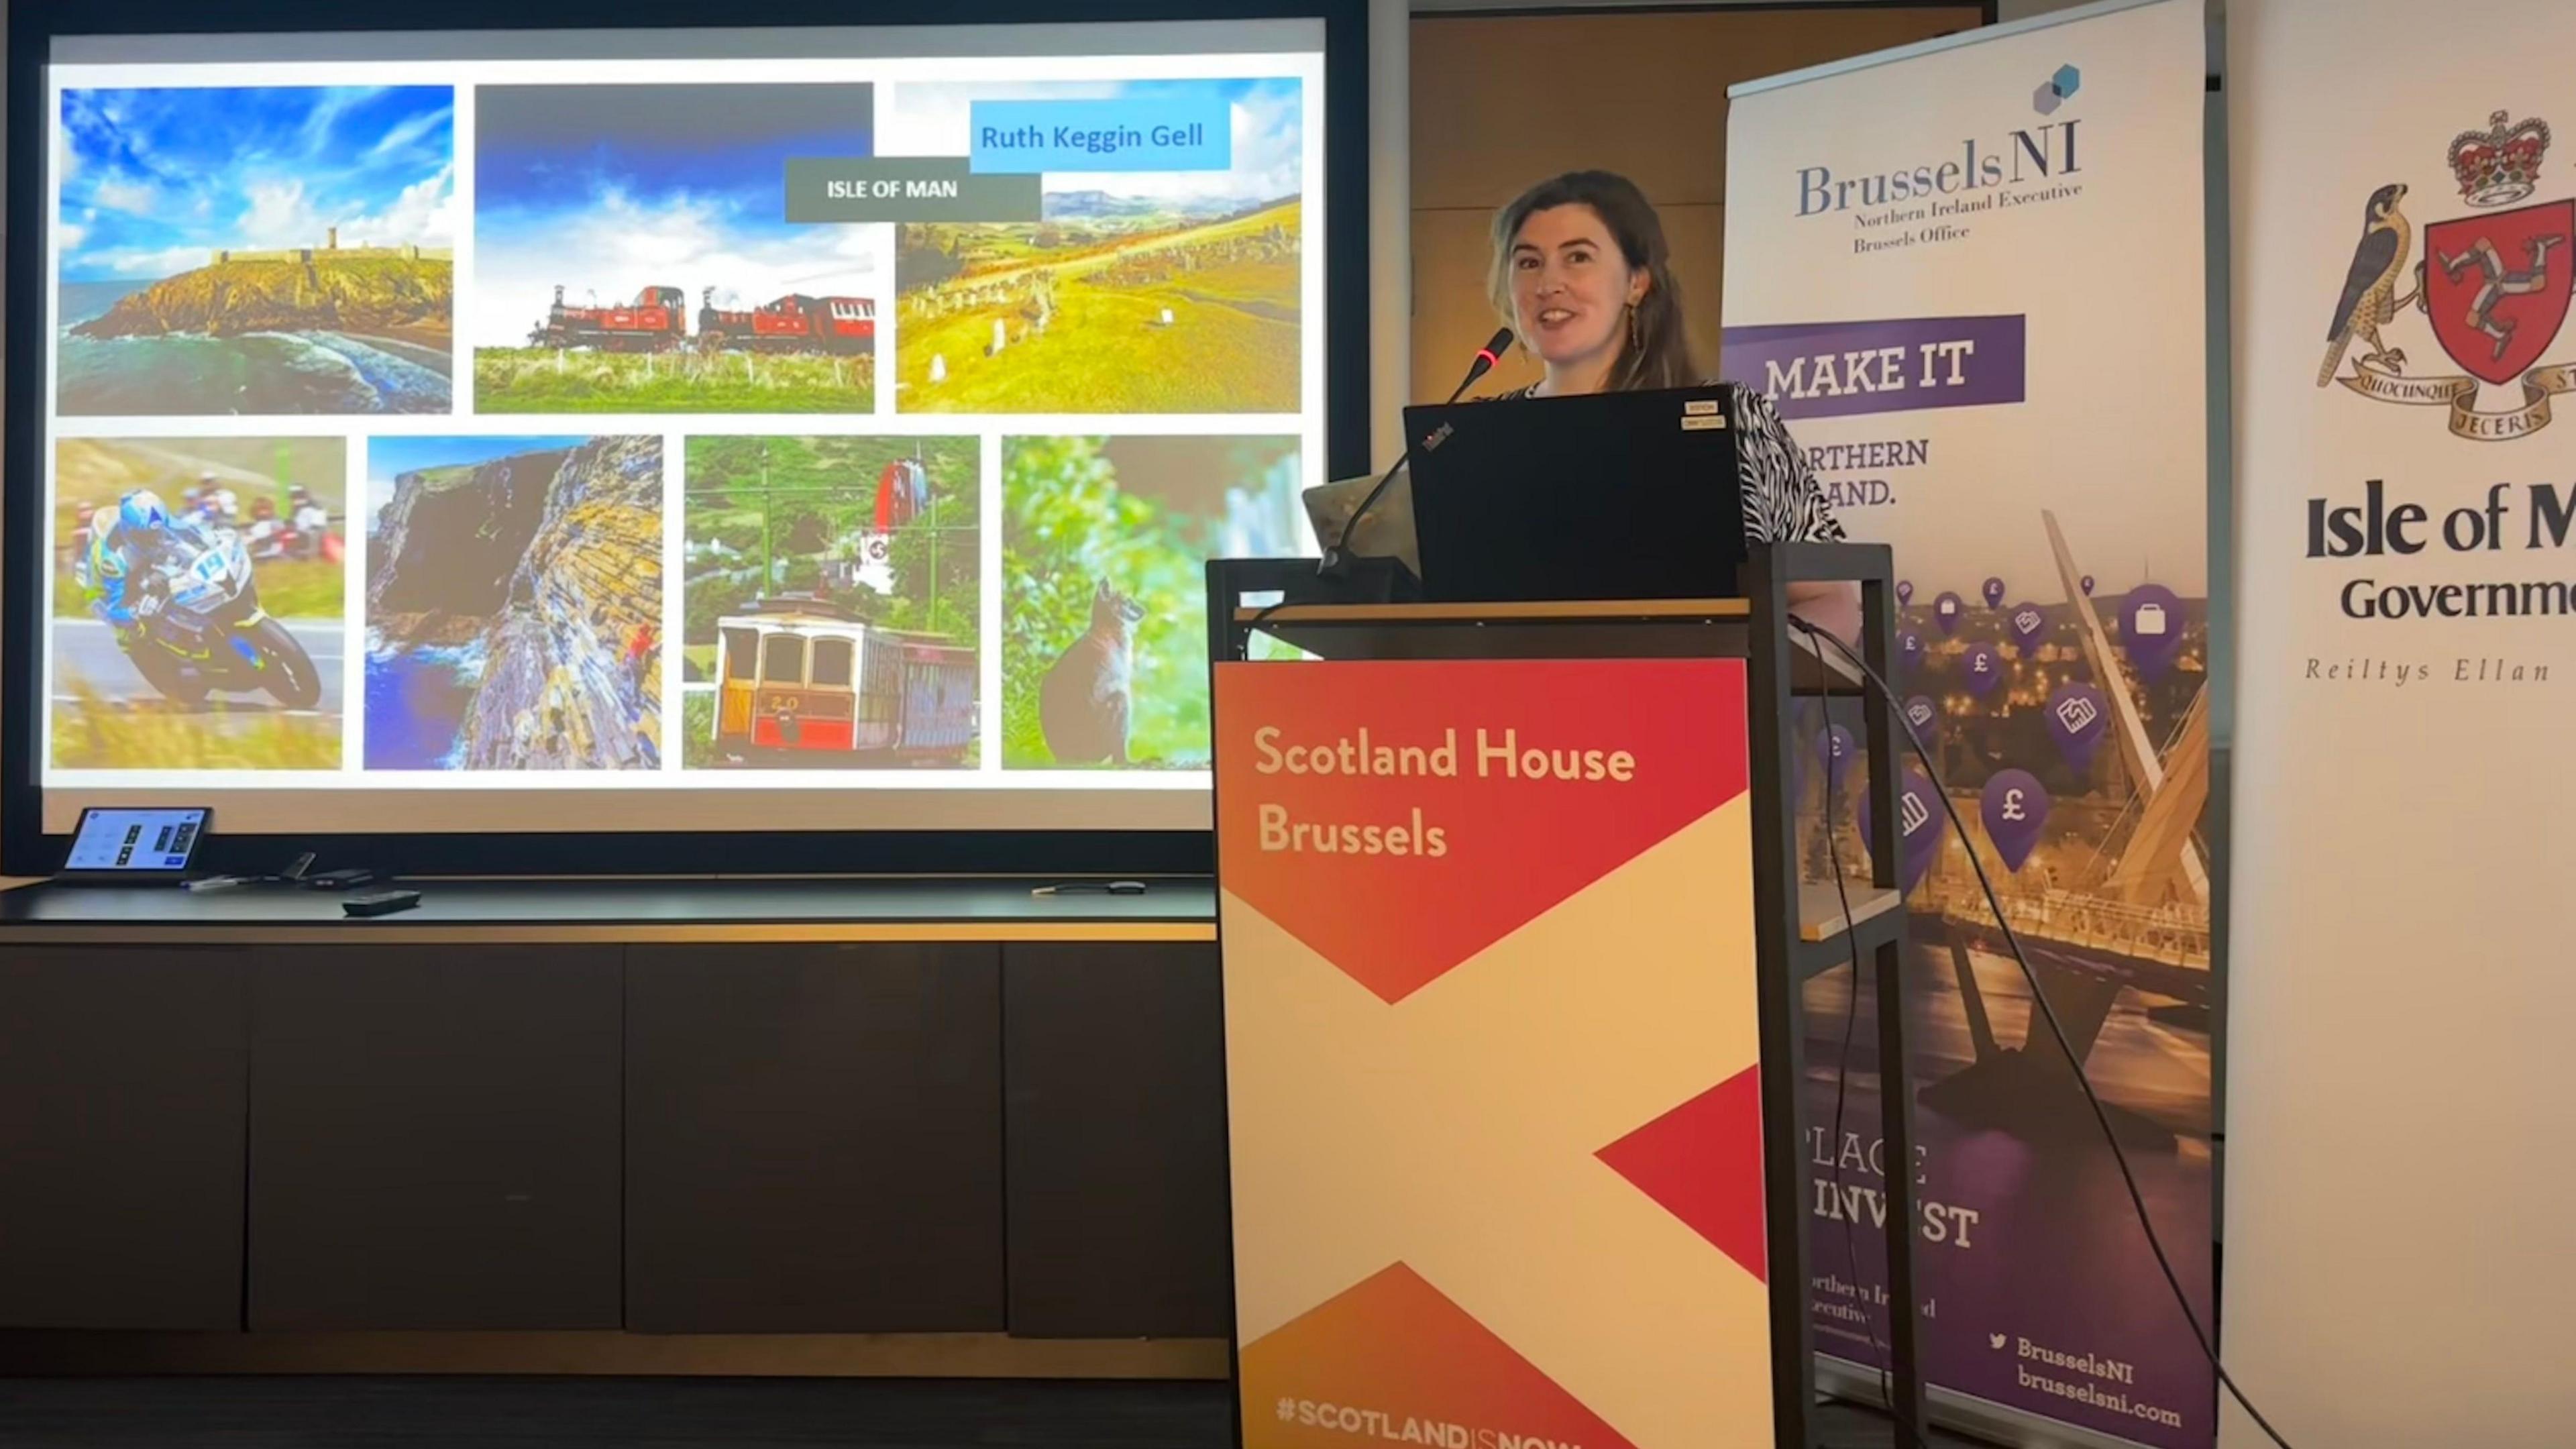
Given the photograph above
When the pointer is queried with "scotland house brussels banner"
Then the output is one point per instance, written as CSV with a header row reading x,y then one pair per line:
x,y
1972,277
2404,195
1492,1072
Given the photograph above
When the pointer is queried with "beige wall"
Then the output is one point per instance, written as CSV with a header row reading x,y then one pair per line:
x,y
1499,101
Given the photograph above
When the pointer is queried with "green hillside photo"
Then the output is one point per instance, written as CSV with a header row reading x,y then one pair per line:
x,y
1151,315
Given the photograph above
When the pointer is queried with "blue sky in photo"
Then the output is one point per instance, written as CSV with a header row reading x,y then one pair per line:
x,y
550,148
390,458
154,180
607,189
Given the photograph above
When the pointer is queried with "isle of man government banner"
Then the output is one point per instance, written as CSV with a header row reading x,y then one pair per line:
x,y
2403,193
1972,275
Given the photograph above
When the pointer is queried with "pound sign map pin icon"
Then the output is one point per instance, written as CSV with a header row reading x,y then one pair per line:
x,y
2014,807
1985,670
1836,748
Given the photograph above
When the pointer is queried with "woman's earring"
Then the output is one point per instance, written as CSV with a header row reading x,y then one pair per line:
x,y
1635,343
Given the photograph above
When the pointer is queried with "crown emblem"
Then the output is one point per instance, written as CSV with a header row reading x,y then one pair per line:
x,y
2499,165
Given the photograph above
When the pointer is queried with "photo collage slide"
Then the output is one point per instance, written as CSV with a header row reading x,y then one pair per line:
x,y
740,429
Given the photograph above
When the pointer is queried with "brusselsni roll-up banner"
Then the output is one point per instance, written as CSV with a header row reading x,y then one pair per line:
x,y
2403,183
1972,276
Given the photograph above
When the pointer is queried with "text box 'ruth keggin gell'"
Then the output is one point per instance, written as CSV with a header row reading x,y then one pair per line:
x,y
1169,134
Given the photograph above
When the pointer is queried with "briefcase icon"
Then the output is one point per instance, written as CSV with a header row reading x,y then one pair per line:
x,y
2151,621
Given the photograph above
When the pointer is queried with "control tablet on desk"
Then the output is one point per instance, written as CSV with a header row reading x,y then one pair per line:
x,y
135,847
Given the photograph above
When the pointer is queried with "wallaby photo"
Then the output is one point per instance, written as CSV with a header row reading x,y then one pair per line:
x,y
1084,706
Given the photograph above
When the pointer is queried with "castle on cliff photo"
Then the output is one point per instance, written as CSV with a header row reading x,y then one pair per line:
x,y
190,281
332,251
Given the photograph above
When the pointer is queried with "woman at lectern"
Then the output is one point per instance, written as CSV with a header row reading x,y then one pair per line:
x,y
1582,271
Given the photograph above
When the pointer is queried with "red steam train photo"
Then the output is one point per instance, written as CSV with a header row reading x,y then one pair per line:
x,y
657,321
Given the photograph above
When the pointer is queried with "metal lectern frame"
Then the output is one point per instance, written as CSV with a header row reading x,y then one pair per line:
x,y
1801,929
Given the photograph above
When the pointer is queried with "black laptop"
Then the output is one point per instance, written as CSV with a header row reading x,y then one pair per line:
x,y
1618,495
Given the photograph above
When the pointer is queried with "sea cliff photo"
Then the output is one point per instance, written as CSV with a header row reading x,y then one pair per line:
x,y
256,251
514,603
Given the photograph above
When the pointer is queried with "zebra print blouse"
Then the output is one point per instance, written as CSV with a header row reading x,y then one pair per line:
x,y
1783,502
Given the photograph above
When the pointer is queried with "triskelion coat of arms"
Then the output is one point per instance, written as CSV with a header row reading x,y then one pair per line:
x,y
2494,284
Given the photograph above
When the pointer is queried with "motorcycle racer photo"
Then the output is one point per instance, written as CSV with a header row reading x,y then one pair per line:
x,y
178,592
197,618
127,547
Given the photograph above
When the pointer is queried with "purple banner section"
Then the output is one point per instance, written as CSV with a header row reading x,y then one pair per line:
x,y
2038,1288
1839,369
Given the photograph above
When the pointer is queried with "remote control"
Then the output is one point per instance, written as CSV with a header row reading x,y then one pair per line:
x,y
380,903
340,880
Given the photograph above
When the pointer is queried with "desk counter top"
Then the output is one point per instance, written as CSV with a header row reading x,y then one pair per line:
x,y
694,909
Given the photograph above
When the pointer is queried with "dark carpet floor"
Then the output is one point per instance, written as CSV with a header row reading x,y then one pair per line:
x,y
657,1413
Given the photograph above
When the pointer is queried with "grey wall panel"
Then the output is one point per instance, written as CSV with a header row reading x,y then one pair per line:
x,y
814,1139
434,1138
1114,1061
121,1115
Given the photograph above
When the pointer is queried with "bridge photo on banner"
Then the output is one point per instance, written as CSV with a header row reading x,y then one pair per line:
x,y
1971,273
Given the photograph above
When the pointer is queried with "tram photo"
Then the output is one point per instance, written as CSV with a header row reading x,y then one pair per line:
x,y
804,683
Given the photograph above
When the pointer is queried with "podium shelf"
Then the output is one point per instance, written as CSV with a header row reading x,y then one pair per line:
x,y
1595,609
1820,908
1573,628
1824,935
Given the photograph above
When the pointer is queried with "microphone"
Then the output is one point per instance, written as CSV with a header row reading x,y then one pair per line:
x,y
1336,560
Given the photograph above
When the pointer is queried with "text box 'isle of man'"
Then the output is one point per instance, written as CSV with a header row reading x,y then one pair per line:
x,y
905,188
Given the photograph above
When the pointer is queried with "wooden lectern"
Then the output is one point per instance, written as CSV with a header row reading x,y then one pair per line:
x,y
1513,924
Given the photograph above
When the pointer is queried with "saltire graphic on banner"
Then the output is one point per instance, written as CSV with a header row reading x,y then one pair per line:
x,y
1972,276
2404,204
1492,1054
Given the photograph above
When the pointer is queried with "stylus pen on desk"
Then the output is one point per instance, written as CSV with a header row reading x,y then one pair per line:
x,y
1092,888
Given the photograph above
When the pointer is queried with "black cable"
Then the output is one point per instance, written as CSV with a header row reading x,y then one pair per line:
x,y
2137,1199
1338,558
1260,617
1878,1352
